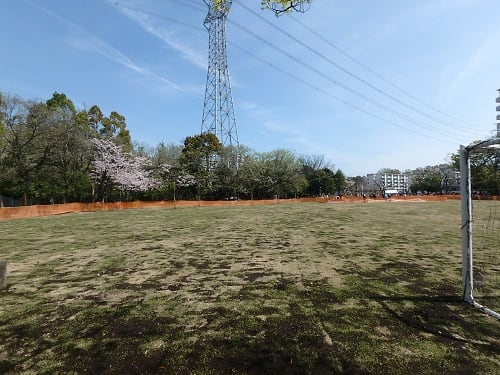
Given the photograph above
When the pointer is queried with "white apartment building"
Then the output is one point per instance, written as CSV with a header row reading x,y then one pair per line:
x,y
388,183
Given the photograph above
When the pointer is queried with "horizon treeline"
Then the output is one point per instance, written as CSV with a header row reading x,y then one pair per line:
x,y
52,152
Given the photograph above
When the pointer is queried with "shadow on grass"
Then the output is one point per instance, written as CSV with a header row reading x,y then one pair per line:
x,y
434,315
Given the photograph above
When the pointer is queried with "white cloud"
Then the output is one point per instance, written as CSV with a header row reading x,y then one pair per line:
x,y
92,43
86,41
484,58
147,22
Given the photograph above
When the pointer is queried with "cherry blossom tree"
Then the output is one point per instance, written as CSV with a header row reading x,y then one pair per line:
x,y
185,181
114,168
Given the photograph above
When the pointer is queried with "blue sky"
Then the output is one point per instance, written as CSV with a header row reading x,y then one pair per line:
x,y
386,84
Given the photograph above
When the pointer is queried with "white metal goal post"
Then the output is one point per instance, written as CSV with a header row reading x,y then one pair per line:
x,y
491,145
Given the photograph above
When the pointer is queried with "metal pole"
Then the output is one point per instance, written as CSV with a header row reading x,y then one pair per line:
x,y
466,228
3,274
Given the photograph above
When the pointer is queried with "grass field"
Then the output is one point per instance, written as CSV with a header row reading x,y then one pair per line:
x,y
311,288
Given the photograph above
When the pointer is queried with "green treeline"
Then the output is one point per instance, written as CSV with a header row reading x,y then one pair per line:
x,y
52,152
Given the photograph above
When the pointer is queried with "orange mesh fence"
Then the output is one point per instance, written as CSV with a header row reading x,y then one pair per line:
x,y
59,209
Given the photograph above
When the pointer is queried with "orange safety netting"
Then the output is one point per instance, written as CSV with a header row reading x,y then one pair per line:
x,y
58,209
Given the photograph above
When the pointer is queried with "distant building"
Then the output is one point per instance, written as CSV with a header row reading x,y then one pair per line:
x,y
388,183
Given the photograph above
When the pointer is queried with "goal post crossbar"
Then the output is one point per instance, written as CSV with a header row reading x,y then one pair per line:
x,y
490,145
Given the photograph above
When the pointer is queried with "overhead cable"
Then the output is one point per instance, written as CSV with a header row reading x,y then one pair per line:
x,y
407,118
379,76
341,68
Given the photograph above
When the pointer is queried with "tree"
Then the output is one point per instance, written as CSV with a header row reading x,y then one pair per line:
x,y
199,158
360,183
45,149
200,151
278,6
449,178
340,182
166,167
319,175
166,154
227,181
25,146
114,127
114,168
68,163
94,118
427,180
2,118
185,181
250,172
484,170
285,6
282,173
60,101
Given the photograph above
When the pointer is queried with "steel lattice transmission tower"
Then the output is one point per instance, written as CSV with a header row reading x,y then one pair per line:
x,y
218,109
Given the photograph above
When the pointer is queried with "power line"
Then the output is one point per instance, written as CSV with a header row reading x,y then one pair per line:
x,y
407,118
345,87
191,4
324,92
291,75
341,68
379,76
355,76
156,15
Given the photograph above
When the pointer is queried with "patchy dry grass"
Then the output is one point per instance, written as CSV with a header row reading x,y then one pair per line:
x,y
293,288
